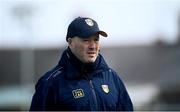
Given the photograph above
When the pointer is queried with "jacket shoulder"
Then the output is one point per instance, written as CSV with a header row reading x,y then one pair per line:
x,y
54,73
47,78
114,73
116,76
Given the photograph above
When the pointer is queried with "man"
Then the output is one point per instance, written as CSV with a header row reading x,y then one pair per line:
x,y
82,80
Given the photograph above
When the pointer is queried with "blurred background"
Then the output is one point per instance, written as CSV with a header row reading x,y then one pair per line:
x,y
143,46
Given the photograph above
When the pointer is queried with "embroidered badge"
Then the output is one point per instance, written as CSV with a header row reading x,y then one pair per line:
x,y
105,88
78,93
89,22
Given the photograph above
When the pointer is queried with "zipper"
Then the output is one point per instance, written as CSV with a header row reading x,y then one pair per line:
x,y
92,88
94,95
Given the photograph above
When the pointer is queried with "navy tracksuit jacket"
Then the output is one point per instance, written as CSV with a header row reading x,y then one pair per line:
x,y
72,85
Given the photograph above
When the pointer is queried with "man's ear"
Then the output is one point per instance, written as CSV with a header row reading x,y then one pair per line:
x,y
69,41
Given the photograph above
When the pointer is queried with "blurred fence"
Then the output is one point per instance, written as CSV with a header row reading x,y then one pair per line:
x,y
149,71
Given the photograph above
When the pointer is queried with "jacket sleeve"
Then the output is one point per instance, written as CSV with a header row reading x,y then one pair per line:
x,y
124,101
43,98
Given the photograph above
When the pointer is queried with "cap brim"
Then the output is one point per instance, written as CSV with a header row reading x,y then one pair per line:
x,y
104,34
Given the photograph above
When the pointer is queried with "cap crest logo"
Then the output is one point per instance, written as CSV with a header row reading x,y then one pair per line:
x,y
89,22
105,88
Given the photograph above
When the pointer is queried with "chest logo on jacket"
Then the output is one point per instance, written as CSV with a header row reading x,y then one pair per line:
x,y
105,88
78,93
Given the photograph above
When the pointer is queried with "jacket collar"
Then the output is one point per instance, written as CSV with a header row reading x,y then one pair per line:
x,y
76,69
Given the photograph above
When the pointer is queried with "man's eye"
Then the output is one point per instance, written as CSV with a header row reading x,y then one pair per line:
x,y
96,39
85,40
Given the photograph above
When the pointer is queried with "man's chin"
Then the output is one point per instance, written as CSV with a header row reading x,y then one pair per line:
x,y
92,60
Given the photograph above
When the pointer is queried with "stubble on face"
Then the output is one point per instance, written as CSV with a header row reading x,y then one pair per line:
x,y
86,50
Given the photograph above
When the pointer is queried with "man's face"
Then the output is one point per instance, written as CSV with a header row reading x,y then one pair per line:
x,y
86,50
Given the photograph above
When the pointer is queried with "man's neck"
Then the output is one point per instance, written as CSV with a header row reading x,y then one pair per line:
x,y
80,66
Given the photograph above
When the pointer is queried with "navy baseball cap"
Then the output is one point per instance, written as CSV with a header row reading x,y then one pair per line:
x,y
83,28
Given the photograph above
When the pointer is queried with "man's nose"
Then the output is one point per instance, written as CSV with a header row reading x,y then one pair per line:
x,y
92,45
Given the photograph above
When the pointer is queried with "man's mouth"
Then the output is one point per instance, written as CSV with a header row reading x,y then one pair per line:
x,y
91,54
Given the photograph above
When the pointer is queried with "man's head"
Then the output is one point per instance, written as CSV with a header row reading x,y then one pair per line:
x,y
83,39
